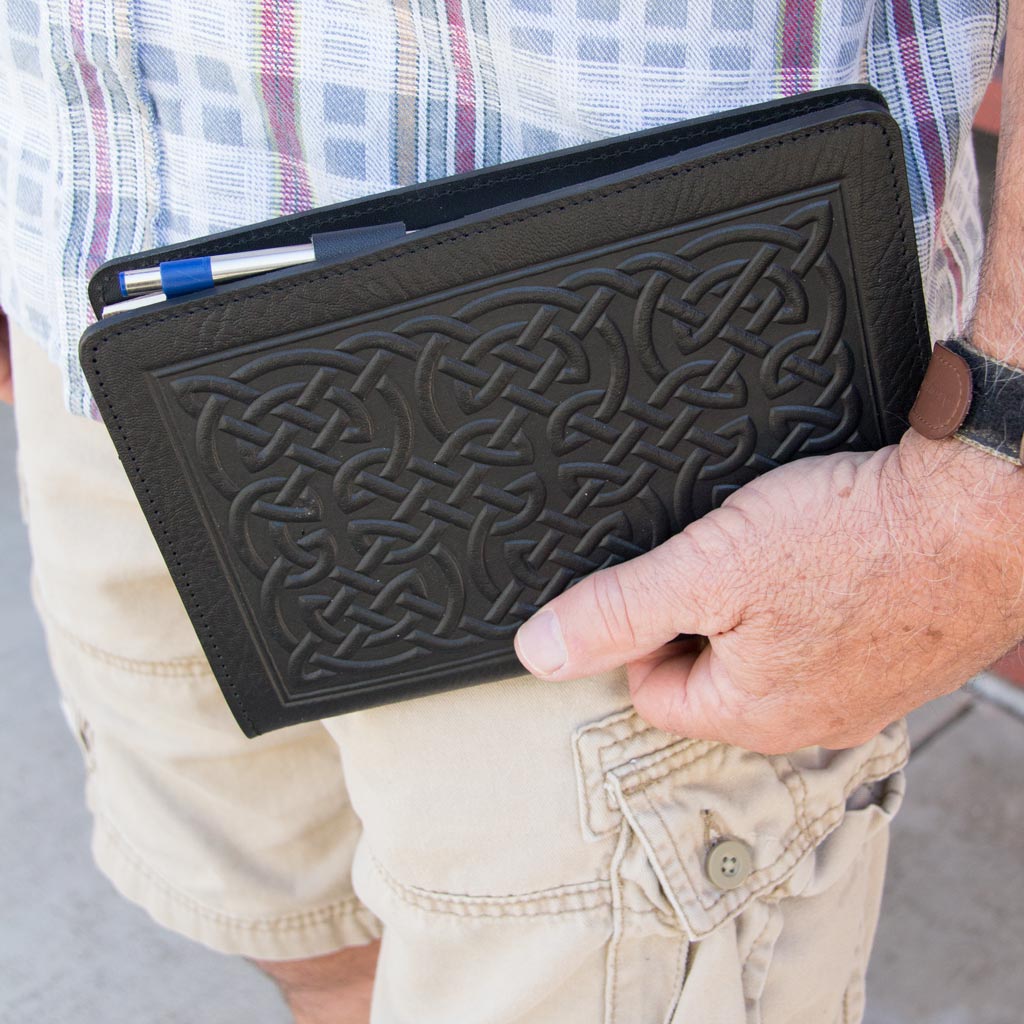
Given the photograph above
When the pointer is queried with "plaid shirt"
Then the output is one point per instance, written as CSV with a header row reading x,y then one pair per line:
x,y
126,124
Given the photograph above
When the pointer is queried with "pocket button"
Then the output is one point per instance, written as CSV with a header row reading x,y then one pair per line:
x,y
728,863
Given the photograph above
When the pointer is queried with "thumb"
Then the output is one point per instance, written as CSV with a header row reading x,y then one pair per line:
x,y
623,613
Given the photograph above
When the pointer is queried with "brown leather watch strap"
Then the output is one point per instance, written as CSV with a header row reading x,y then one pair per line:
x,y
945,394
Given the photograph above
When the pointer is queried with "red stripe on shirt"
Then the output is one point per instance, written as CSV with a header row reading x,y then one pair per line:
x,y
277,82
97,247
796,59
917,89
955,271
465,92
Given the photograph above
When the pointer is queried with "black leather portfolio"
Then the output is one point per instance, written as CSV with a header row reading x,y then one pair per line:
x,y
366,471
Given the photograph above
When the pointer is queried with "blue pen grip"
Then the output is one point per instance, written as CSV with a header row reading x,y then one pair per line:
x,y
179,277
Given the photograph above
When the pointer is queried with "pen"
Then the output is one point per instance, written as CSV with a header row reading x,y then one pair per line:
x,y
135,302
182,276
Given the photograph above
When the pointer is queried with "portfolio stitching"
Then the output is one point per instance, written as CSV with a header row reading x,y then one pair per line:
x,y
914,298
291,284
380,206
448,236
184,575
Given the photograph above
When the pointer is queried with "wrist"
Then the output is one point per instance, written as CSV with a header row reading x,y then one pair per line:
x,y
1004,342
971,479
996,326
973,396
970,505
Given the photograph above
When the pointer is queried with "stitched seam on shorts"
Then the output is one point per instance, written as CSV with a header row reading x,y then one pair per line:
x,y
586,784
349,267
793,849
348,907
858,969
682,960
622,732
672,746
820,825
799,801
664,763
172,667
615,887
587,895
617,726
620,728
690,948
770,912
645,796
658,754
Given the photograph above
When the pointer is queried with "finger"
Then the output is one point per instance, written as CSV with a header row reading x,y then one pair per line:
x,y
626,612
692,694
672,690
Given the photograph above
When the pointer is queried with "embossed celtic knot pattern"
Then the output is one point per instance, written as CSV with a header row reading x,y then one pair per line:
x,y
423,481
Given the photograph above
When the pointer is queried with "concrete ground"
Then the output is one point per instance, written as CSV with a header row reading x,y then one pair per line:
x,y
950,942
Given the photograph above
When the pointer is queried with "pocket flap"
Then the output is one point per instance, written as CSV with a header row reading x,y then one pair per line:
x,y
686,796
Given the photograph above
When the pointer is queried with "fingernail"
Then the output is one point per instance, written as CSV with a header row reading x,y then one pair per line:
x,y
539,644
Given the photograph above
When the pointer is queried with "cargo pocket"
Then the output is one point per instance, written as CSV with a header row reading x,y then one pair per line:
x,y
716,843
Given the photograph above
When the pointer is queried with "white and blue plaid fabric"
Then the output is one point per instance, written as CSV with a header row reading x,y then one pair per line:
x,y
126,124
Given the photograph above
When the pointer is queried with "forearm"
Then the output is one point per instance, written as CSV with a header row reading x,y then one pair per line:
x,y
980,498
998,324
983,489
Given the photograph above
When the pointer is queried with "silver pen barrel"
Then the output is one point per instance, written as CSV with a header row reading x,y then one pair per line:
x,y
222,267
138,282
228,265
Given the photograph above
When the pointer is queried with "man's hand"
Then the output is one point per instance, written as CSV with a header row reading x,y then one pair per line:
x,y
837,593
6,380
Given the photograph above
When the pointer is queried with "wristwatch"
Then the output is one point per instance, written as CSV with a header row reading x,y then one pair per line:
x,y
973,397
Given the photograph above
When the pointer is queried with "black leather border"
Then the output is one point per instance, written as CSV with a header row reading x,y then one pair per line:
x,y
862,148
421,675
457,195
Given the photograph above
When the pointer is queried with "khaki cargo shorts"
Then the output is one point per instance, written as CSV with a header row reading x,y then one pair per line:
x,y
529,851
